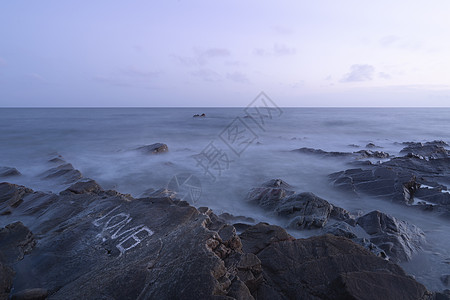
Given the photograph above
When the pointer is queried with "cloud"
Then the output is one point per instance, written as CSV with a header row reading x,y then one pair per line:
x,y
281,50
238,77
134,72
202,57
277,50
283,30
359,73
207,75
389,40
384,75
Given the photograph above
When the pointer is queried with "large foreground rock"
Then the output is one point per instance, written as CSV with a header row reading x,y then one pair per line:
x,y
325,267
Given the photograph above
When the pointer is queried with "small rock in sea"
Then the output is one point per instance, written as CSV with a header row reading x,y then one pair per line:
x,y
197,115
154,148
446,279
372,145
7,172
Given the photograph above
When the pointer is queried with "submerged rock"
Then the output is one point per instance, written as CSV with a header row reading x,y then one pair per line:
x,y
154,148
8,172
399,239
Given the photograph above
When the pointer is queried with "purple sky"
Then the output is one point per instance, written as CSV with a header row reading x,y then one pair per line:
x,y
223,53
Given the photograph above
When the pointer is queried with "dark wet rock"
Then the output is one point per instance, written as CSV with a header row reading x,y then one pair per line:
x,y
372,154
86,186
9,172
304,210
267,197
428,150
153,247
321,152
198,115
16,240
446,279
64,172
31,294
399,239
11,196
154,148
329,267
340,229
354,145
231,219
372,145
162,192
367,244
261,235
6,279
445,295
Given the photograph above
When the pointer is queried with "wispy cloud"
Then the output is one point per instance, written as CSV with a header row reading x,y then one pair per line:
x,y
135,72
130,77
384,75
283,30
359,73
201,57
238,77
277,50
389,40
207,75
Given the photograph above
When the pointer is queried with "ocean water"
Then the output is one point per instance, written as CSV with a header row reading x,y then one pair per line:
x,y
239,153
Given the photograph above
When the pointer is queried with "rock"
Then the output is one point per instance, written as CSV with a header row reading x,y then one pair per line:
x,y
11,196
156,148
372,154
321,152
87,186
153,247
16,240
329,267
304,210
64,172
269,195
197,115
31,294
428,150
340,229
397,238
446,279
372,145
8,172
259,236
6,279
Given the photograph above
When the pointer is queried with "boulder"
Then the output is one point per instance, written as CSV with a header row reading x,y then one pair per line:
x,y
65,173
156,148
327,267
304,210
8,172
16,240
399,239
86,186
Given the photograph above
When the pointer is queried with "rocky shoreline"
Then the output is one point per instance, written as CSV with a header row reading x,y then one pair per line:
x,y
91,243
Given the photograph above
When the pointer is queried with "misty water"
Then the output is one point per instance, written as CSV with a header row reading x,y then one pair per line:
x,y
101,144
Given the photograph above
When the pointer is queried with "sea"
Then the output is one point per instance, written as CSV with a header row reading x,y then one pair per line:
x,y
216,159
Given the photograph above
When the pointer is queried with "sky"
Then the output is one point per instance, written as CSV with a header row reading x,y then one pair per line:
x,y
168,53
